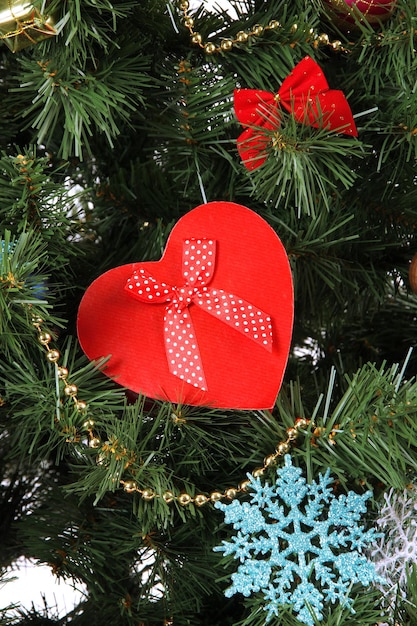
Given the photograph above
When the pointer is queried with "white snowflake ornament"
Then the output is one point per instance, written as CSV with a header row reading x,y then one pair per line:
x,y
298,544
396,551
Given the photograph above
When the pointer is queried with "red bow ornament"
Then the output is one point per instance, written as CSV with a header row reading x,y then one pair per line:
x,y
305,94
181,343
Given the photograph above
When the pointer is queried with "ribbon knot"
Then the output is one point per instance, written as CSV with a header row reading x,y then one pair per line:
x,y
183,296
305,94
198,264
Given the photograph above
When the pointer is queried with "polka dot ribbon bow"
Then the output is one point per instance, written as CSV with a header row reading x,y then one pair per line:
x,y
305,94
198,263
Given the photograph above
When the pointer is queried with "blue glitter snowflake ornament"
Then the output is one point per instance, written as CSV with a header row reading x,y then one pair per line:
x,y
299,544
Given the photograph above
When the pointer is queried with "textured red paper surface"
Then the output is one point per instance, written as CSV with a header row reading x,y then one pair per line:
x,y
251,263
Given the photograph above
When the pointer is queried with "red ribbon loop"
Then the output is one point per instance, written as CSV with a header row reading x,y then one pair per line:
x,y
198,264
305,94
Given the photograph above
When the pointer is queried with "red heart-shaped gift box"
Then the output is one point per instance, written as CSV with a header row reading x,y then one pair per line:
x,y
250,266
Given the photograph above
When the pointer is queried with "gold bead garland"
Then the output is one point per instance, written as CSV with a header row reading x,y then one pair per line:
x,y
52,355
230,493
130,486
226,45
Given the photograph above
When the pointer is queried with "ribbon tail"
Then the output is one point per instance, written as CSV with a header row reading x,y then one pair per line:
x,y
239,314
183,354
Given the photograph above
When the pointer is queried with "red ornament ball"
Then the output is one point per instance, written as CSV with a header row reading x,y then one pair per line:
x,y
373,11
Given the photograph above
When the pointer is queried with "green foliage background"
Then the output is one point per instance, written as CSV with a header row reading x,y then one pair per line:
x,y
109,132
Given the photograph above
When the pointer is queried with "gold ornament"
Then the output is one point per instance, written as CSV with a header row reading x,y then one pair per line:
x,y
242,37
226,45
71,390
292,433
282,448
62,372
129,486
200,499
53,356
258,472
184,499
168,497
210,48
94,442
197,38
22,25
412,274
45,338
147,494
243,486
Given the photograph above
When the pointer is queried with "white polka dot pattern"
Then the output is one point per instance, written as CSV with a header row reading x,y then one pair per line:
x,y
198,264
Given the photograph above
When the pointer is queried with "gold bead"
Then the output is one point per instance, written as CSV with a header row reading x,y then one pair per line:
x,y
301,423
292,433
226,45
336,44
283,447
94,442
184,5
45,338
89,424
62,372
257,30
242,37
200,499
196,38
210,48
168,497
258,472
323,39
274,24
53,356
130,486
270,460
81,405
189,22
147,494
71,390
184,499
231,493
294,28
215,496
37,320
243,486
